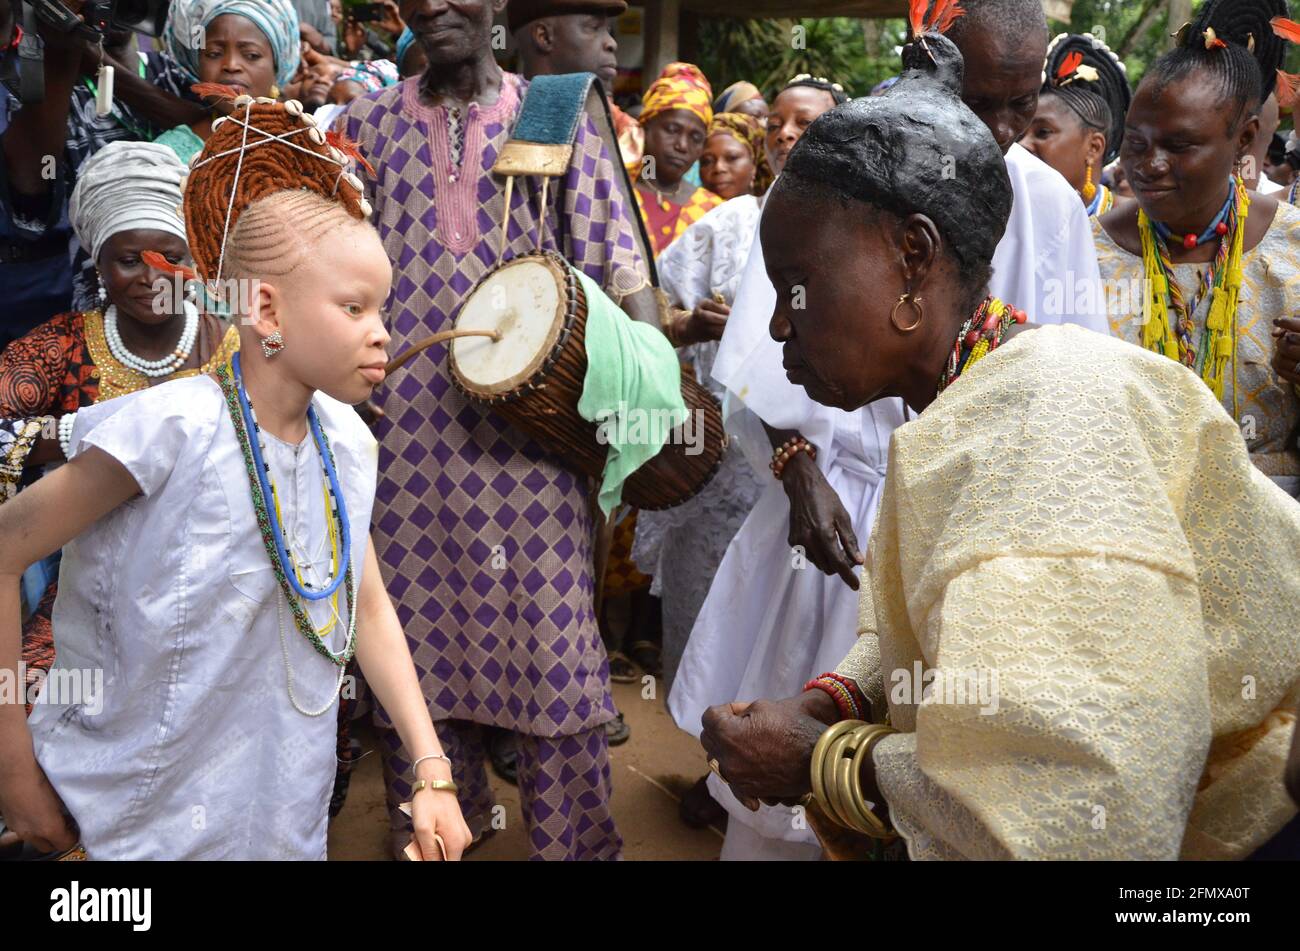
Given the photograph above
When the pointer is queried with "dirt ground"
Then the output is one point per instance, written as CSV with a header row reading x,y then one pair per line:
x,y
650,772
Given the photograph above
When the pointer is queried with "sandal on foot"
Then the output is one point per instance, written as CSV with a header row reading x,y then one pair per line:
x,y
647,654
617,732
621,669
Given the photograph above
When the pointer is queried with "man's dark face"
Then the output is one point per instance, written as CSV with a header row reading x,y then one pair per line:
x,y
452,31
584,44
1002,78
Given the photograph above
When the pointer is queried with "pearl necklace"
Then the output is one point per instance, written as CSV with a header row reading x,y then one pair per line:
x,y
288,668
152,368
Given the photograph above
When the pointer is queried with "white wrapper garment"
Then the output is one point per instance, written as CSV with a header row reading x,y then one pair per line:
x,y
193,749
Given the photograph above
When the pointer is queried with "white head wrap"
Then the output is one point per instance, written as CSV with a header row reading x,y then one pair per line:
x,y
127,186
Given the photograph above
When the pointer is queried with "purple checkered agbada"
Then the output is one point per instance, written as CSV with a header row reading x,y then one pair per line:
x,y
515,646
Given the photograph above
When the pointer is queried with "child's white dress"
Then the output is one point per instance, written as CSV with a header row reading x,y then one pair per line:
x,y
192,749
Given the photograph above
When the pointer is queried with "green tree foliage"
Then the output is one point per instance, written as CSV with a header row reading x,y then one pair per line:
x,y
769,52
861,53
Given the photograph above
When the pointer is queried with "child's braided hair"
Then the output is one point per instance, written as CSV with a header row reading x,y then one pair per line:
x,y
262,149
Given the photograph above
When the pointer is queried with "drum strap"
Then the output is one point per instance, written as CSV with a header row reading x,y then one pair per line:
x,y
541,144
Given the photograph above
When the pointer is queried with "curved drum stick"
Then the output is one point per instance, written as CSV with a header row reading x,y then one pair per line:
x,y
400,361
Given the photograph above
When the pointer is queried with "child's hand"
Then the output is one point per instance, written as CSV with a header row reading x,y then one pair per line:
x,y
32,809
436,812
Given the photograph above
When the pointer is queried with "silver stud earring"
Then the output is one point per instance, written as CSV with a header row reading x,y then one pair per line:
x,y
272,345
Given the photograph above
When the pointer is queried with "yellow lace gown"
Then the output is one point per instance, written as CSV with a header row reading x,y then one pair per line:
x,y
1082,517
1268,411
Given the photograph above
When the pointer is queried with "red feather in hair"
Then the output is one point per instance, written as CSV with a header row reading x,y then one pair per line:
x,y
944,15
1287,89
916,16
1069,64
215,90
159,263
349,148
1287,29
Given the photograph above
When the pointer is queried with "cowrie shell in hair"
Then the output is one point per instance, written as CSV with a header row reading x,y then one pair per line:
x,y
309,120
316,135
293,107
218,122
243,100
352,180
366,210
194,159
336,155
265,100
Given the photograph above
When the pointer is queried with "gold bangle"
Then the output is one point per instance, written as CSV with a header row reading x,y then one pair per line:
x,y
868,740
844,790
837,780
819,759
670,324
819,771
874,825
440,785
837,776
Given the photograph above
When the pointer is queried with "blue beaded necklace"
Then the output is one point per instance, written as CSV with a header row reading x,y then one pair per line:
x,y
1217,228
340,513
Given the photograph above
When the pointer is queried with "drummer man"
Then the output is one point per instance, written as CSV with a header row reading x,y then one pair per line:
x,y
484,539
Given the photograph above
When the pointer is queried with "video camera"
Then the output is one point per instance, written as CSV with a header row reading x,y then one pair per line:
x,y
143,16
25,74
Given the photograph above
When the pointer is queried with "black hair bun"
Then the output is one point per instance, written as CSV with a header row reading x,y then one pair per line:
x,y
916,148
1244,23
937,57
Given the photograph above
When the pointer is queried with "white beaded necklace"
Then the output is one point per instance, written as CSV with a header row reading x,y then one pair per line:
x,y
153,368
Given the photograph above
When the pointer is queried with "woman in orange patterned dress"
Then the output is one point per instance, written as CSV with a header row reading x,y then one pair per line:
x,y
123,210
675,115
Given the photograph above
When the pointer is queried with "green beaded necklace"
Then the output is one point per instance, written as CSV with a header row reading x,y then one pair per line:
x,y
305,624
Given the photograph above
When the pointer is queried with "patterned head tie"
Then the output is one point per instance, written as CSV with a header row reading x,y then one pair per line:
x,y
679,86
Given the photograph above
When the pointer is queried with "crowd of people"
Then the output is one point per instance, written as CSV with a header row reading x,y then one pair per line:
x,y
210,251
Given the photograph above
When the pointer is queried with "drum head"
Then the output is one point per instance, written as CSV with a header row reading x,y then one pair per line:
x,y
525,300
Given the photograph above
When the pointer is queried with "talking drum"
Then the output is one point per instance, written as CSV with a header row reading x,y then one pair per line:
x,y
531,372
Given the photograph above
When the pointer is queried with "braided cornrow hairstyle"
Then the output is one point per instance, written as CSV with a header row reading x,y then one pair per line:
x,y
1242,54
262,149
1100,103
817,82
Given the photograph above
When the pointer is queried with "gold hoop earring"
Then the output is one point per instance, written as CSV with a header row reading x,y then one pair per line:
x,y
915,302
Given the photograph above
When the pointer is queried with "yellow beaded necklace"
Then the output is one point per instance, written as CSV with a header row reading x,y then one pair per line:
x,y
1174,339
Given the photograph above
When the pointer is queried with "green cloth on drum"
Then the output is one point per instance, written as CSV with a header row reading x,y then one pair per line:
x,y
632,391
